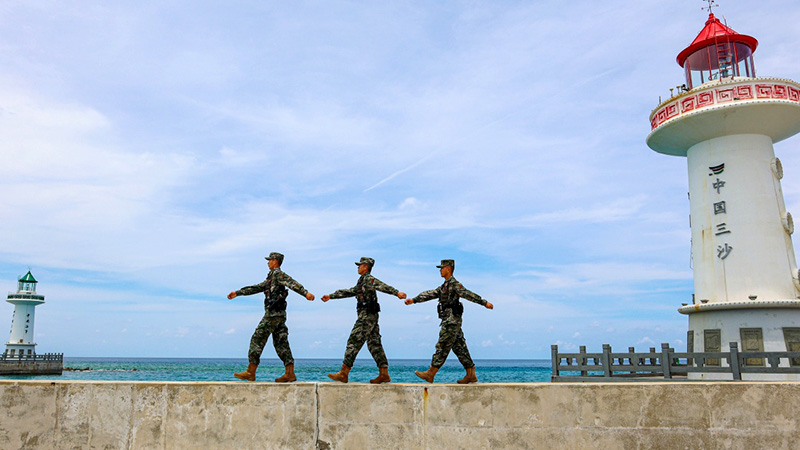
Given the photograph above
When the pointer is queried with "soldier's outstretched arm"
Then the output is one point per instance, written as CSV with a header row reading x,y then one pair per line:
x,y
379,285
290,283
471,296
425,296
344,293
249,290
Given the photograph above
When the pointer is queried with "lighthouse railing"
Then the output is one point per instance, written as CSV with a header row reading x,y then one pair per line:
x,y
666,364
44,357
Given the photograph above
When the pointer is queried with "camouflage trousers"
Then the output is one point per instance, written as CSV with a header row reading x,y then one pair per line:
x,y
451,337
366,329
274,325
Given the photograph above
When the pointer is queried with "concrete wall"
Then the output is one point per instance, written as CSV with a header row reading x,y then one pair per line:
x,y
28,367
143,415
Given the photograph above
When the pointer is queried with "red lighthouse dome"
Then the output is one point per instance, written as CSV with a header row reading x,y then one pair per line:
x,y
717,52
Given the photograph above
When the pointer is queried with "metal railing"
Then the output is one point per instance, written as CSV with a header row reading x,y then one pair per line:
x,y
24,296
631,365
45,357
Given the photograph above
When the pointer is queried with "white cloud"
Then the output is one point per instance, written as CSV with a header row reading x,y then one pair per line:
x,y
409,203
646,341
566,346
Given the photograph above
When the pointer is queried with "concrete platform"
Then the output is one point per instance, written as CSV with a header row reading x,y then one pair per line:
x,y
178,415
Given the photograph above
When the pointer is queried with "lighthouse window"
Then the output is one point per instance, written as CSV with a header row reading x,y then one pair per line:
x,y
712,344
744,58
716,61
792,338
12,352
752,341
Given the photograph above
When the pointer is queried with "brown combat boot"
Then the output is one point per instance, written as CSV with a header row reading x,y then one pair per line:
x,y
469,377
342,375
288,376
249,374
383,376
428,374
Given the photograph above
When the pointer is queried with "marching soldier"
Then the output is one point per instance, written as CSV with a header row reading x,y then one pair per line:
x,y
450,310
366,327
274,320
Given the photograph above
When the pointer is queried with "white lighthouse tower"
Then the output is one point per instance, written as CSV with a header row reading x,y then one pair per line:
x,y
25,301
725,121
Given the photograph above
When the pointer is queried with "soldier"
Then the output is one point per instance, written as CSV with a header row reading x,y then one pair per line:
x,y
274,320
366,327
450,310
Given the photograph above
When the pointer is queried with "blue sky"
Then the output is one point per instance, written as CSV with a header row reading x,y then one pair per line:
x,y
152,153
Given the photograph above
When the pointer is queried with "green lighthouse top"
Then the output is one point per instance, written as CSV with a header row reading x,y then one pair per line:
x,y
27,284
28,278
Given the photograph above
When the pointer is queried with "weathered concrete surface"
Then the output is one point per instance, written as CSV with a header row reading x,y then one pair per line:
x,y
28,367
141,415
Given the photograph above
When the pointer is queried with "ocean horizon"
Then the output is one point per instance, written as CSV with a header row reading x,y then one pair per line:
x,y
306,369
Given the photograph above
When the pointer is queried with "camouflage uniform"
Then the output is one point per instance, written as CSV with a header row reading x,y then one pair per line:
x,y
450,309
274,320
366,327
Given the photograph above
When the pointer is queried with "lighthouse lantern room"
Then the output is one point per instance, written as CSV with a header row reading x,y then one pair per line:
x,y
717,52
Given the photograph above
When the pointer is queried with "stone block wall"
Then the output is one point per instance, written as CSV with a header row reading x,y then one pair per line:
x,y
150,415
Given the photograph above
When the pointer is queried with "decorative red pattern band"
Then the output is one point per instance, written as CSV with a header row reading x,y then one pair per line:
x,y
724,94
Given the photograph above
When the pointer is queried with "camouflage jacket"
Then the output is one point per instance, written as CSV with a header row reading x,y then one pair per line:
x,y
274,289
364,290
449,293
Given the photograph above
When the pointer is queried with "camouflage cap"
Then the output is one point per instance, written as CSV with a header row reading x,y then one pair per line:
x,y
447,263
364,260
275,255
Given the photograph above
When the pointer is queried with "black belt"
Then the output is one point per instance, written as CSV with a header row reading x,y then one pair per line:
x,y
369,307
278,305
457,309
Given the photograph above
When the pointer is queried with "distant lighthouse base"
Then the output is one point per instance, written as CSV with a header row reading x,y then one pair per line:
x,y
753,329
47,364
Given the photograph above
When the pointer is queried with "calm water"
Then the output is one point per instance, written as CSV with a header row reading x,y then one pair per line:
x,y
221,369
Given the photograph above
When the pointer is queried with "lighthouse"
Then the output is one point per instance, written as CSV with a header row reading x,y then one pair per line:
x,y
25,301
724,121
20,357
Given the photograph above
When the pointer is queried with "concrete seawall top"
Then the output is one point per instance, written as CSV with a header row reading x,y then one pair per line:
x,y
222,415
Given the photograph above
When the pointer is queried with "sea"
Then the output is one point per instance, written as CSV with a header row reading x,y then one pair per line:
x,y
309,370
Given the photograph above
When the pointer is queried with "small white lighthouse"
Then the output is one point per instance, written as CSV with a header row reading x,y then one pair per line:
x,y
725,121
25,301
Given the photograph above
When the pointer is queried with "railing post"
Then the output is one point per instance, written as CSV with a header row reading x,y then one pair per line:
x,y
734,362
583,361
554,359
652,360
607,360
665,359
630,358
774,361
